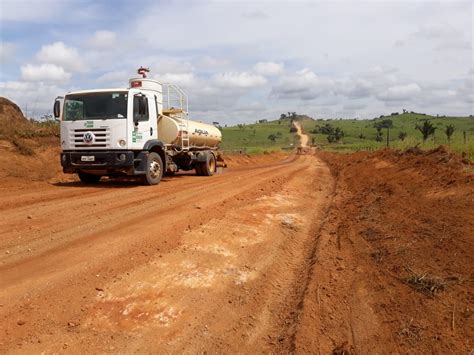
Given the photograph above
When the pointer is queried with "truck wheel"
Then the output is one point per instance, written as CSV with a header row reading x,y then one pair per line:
x,y
88,178
154,169
198,168
209,166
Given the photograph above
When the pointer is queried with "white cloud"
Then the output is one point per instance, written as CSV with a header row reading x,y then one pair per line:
x,y
114,77
400,92
103,39
44,72
38,97
212,63
255,15
7,51
355,88
185,80
354,105
60,54
304,85
269,68
238,80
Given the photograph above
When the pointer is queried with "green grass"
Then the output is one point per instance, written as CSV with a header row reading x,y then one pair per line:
x,y
253,138
404,122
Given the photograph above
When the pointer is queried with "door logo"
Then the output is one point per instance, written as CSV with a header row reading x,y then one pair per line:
x,y
88,138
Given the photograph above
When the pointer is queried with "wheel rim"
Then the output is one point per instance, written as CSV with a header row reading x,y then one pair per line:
x,y
155,169
212,165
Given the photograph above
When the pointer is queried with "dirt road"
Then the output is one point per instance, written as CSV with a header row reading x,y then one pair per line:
x,y
303,137
363,253
195,263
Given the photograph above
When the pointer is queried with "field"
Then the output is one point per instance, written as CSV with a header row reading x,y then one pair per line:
x,y
253,138
401,123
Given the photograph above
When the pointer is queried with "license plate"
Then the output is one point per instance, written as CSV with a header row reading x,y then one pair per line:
x,y
87,158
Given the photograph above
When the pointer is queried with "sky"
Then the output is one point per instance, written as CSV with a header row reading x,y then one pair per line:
x,y
240,61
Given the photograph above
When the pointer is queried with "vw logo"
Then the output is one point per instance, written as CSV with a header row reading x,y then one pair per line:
x,y
88,137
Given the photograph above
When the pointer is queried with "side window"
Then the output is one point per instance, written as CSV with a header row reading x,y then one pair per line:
x,y
140,108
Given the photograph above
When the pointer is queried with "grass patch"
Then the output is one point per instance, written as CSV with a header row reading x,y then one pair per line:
x,y
253,138
361,134
22,146
425,283
411,332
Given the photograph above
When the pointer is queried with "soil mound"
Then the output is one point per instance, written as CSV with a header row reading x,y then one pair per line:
x,y
10,112
401,230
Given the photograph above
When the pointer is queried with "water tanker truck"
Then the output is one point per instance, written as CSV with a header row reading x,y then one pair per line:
x,y
141,131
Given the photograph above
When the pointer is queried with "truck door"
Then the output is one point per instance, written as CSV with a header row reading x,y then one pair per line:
x,y
144,120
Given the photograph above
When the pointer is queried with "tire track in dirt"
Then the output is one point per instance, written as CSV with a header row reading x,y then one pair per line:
x,y
133,203
145,210
59,280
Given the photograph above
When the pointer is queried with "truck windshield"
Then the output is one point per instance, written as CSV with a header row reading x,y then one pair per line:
x,y
95,106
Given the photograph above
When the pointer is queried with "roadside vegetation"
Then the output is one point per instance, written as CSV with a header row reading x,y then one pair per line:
x,y
399,131
260,137
20,132
402,130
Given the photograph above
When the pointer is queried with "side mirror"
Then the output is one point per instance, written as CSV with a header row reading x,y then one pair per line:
x,y
57,109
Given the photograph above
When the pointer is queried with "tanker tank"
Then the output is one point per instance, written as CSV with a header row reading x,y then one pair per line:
x,y
200,134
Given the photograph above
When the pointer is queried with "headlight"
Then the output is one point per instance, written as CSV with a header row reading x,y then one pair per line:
x,y
122,143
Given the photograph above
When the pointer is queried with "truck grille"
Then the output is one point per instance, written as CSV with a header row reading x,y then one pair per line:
x,y
102,138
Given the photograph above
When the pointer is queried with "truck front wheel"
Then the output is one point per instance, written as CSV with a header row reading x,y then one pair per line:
x,y
154,169
88,178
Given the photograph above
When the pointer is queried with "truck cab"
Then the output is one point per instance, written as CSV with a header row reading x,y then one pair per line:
x,y
115,132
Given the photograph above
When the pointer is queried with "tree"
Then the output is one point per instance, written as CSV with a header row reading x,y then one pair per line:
x,y
427,129
361,136
336,135
402,135
386,123
282,116
272,137
449,132
379,135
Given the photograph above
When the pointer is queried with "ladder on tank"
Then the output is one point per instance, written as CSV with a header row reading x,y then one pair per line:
x,y
175,104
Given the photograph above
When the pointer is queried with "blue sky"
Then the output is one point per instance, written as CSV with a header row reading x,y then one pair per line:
x,y
242,61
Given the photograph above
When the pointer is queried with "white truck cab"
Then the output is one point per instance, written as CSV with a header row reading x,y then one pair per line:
x,y
116,132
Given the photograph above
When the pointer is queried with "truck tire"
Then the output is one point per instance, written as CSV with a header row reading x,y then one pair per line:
x,y
154,169
198,168
209,166
88,178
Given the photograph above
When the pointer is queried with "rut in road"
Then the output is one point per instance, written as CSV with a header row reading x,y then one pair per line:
x,y
209,264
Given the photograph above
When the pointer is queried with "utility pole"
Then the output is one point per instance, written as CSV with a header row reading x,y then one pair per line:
x,y
388,137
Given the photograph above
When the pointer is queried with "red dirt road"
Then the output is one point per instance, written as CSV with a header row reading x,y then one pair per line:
x,y
304,254
195,263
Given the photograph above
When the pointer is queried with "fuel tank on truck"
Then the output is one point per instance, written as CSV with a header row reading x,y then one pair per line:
x,y
200,134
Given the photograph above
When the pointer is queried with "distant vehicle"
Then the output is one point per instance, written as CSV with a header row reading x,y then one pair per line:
x,y
142,131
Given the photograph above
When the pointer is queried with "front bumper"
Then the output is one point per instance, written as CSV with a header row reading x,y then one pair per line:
x,y
110,162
